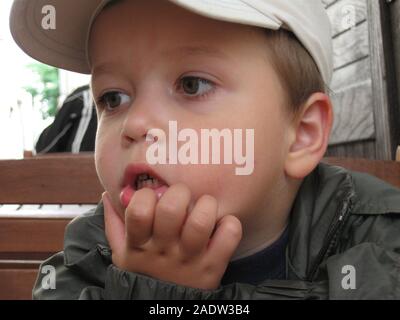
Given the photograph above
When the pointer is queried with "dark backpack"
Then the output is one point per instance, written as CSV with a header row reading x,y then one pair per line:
x,y
74,127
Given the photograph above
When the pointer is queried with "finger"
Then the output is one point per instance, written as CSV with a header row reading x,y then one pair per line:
x,y
226,239
139,217
114,225
171,212
199,226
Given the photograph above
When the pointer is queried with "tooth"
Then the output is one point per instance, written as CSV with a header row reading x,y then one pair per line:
x,y
148,183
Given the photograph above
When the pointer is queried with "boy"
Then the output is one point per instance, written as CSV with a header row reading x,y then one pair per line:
x,y
292,228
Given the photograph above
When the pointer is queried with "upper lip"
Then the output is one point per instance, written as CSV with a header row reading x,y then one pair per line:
x,y
133,170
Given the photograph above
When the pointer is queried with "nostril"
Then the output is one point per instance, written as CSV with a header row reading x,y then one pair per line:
x,y
127,141
150,137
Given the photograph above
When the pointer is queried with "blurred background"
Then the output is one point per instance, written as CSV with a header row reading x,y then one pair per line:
x,y
31,93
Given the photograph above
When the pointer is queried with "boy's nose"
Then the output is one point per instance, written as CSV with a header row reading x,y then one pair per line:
x,y
139,119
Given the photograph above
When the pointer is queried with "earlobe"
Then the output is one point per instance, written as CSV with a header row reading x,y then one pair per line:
x,y
310,137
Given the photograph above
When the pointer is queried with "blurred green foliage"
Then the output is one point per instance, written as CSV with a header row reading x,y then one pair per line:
x,y
47,88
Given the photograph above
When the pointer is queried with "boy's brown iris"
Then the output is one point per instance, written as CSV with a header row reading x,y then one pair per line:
x,y
190,85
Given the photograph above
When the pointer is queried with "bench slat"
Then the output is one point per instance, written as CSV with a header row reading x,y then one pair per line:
x,y
44,212
32,235
17,284
50,180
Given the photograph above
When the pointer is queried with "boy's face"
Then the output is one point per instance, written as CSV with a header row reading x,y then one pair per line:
x,y
145,53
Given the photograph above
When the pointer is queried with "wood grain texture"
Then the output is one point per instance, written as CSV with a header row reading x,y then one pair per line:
x,y
17,284
385,109
351,46
50,180
366,94
354,117
351,75
351,86
358,149
388,171
346,14
32,235
328,3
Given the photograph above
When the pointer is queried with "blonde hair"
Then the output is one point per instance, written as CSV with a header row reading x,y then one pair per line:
x,y
297,70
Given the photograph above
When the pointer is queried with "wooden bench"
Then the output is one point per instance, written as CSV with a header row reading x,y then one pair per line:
x,y
30,235
30,231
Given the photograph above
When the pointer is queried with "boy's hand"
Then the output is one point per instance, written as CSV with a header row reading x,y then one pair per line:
x,y
162,240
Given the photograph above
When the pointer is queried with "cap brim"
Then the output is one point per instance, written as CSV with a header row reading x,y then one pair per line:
x,y
65,46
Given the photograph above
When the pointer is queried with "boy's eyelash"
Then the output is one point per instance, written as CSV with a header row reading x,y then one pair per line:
x,y
101,100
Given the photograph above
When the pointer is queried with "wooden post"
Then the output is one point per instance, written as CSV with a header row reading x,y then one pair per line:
x,y
386,110
394,6
398,154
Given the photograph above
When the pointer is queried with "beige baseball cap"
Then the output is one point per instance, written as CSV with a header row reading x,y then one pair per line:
x,y
64,43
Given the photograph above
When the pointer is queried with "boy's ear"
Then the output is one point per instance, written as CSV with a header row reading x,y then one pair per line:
x,y
310,136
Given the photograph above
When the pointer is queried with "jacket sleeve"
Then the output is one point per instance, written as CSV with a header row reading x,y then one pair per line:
x,y
376,276
121,285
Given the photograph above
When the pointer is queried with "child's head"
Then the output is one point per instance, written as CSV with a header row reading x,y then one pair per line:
x,y
153,62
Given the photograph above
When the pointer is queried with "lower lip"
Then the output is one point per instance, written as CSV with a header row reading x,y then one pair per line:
x,y
128,192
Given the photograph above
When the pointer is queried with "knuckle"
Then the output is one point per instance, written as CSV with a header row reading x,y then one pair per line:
x,y
175,199
167,207
138,213
209,200
208,205
181,191
200,223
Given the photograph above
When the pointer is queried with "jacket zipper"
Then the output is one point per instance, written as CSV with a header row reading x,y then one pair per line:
x,y
340,219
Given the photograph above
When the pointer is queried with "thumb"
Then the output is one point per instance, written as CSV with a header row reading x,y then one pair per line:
x,y
114,225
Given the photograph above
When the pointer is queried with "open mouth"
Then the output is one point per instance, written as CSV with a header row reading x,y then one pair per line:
x,y
137,177
146,180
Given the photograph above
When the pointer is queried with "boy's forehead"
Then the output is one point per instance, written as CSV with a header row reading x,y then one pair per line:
x,y
171,37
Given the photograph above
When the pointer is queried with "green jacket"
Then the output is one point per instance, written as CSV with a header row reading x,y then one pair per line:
x,y
344,243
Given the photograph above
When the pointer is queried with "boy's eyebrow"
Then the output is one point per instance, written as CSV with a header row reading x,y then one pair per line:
x,y
103,68
178,51
196,50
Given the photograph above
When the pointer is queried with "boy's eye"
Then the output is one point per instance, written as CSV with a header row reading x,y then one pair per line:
x,y
195,86
113,99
